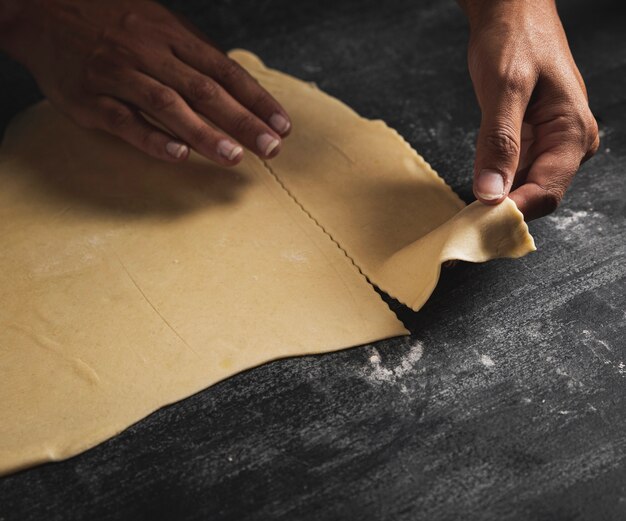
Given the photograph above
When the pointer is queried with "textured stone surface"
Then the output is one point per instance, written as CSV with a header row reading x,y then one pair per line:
x,y
508,401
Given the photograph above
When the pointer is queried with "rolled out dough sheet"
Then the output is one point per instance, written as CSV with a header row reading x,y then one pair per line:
x,y
127,284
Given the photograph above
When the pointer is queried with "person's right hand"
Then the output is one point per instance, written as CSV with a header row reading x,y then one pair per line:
x,y
107,64
536,127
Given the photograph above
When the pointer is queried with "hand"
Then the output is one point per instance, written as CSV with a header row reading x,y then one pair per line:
x,y
536,126
110,64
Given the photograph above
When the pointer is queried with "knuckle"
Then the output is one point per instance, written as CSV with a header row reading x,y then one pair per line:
x,y
581,128
200,136
149,142
515,83
186,46
243,124
579,124
229,72
117,118
503,143
129,21
203,89
261,99
161,98
514,80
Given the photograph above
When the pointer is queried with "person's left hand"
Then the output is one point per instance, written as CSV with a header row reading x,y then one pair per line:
x,y
137,71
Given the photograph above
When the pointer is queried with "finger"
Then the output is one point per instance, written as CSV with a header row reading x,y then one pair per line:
x,y
560,147
594,140
166,107
122,121
527,139
499,141
199,55
526,157
547,180
207,97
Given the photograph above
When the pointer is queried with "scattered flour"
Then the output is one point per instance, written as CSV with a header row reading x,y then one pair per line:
x,y
572,383
487,361
381,374
375,358
599,348
568,219
602,351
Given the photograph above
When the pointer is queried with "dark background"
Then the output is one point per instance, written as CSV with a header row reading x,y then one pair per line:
x,y
516,408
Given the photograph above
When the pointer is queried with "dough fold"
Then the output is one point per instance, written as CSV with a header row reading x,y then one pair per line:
x,y
127,284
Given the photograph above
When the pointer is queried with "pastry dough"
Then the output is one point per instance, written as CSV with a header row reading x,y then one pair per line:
x,y
127,284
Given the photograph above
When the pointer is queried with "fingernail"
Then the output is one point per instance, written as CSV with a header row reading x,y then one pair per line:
x,y
490,185
228,149
176,149
279,123
267,144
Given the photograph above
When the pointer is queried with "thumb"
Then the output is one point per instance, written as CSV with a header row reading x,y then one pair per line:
x,y
499,145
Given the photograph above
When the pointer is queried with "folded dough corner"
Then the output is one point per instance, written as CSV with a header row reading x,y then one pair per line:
x,y
128,284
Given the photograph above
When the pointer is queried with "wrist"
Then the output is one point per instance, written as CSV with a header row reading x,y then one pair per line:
x,y
11,18
483,13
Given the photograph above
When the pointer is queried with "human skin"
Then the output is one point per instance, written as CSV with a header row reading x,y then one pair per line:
x,y
536,126
107,63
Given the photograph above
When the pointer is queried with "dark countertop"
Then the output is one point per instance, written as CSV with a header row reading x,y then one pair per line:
x,y
507,402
